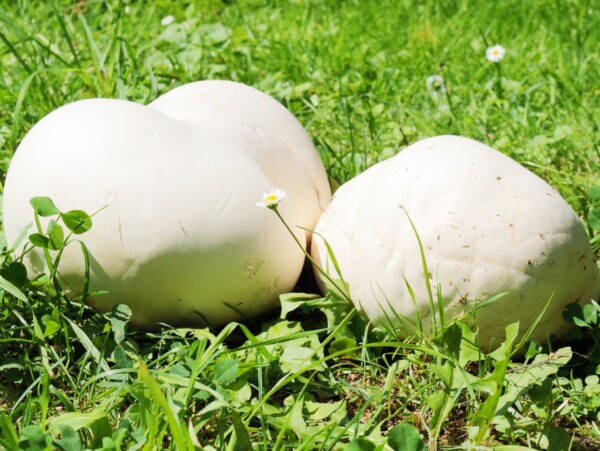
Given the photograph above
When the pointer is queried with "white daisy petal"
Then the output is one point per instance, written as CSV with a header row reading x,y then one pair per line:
x,y
167,20
272,198
495,53
435,83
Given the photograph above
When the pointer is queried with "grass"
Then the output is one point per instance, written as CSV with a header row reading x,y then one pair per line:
x,y
315,375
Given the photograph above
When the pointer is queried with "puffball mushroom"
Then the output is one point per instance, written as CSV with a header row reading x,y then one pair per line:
x,y
179,237
487,226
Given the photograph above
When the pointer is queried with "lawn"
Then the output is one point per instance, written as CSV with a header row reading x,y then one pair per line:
x,y
366,79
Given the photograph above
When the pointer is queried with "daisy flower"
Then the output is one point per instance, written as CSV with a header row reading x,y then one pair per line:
x,y
435,86
435,83
272,198
495,53
167,20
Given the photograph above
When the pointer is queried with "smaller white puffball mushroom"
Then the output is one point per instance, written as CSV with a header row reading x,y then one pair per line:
x,y
281,141
179,237
487,226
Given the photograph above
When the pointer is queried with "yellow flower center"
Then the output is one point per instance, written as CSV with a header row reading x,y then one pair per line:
x,y
495,52
271,198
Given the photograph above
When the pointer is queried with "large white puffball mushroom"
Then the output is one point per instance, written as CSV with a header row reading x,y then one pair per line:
x,y
487,226
178,237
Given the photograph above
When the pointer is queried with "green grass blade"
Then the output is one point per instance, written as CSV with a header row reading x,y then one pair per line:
x,y
178,432
10,438
88,344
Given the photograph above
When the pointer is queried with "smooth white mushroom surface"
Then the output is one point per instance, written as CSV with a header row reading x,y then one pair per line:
x,y
179,237
487,226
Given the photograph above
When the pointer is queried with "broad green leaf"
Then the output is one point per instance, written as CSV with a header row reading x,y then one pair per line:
x,y
51,328
469,349
342,344
485,414
39,240
561,132
504,351
320,410
592,380
531,350
69,439
16,273
214,33
77,221
96,421
292,417
121,358
294,358
435,401
56,236
79,420
336,287
335,310
571,311
292,301
590,314
44,206
406,437
451,340
33,438
119,319
541,391
443,372
555,438
574,313
360,444
225,371
593,218
241,393
521,379
283,329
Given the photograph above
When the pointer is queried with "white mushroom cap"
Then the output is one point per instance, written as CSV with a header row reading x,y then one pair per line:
x,y
487,226
180,238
